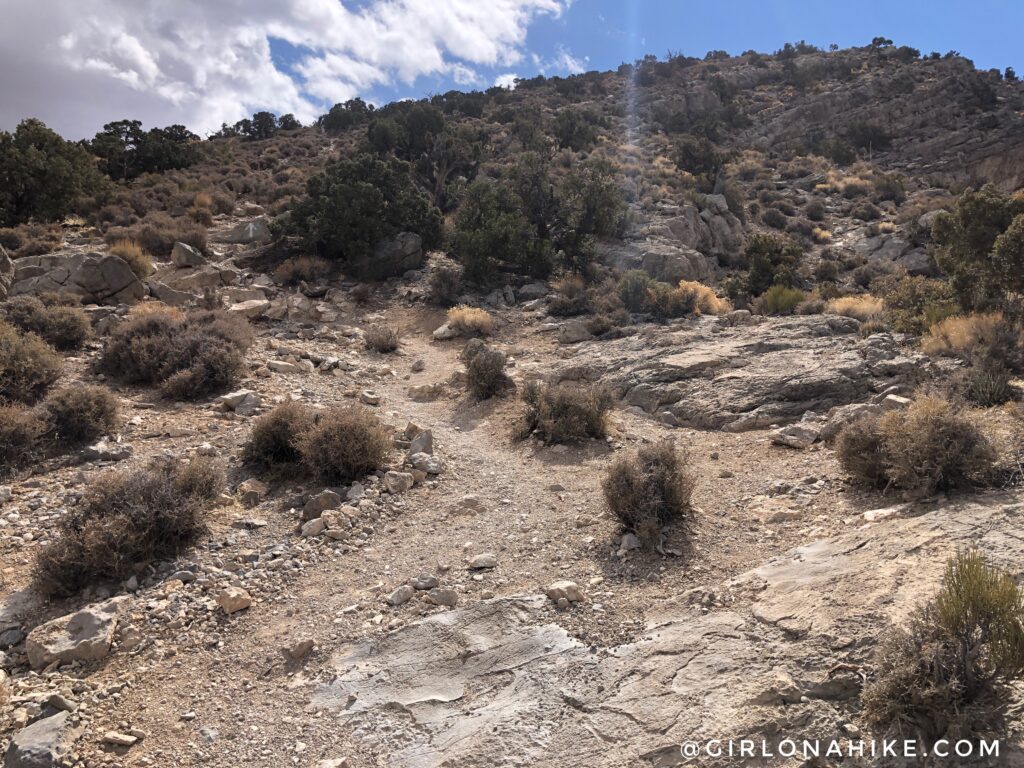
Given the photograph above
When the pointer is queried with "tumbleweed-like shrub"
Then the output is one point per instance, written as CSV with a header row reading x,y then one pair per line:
x,y
61,325
344,444
126,519
274,441
563,412
485,370
189,356
381,338
28,366
79,414
931,446
649,488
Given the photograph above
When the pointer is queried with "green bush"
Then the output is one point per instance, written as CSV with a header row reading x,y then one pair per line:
x,y
982,247
45,177
127,519
649,488
492,233
913,304
575,129
445,286
770,260
355,204
28,366
946,675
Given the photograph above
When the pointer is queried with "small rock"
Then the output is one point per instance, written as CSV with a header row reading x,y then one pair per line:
x,y
482,561
251,491
424,581
299,650
398,482
119,739
443,596
564,589
233,599
313,527
401,595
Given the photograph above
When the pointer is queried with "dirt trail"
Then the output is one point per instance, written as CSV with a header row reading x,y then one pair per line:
x,y
226,695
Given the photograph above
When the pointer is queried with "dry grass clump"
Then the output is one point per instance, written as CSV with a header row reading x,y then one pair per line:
x,y
485,369
28,366
565,412
961,334
381,338
158,233
189,356
79,414
931,446
59,324
779,300
344,444
127,519
820,235
274,441
470,321
649,488
132,254
864,307
947,674
300,269
20,432
571,296
705,300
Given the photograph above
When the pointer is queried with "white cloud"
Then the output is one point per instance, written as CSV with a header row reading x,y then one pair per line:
x,y
508,80
79,63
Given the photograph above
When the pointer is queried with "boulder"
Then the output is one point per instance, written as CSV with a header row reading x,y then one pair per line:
x,y
171,296
390,258
184,255
253,231
531,291
43,744
82,636
574,332
99,278
252,309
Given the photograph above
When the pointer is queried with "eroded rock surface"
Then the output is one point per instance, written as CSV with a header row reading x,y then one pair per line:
x,y
714,375
499,683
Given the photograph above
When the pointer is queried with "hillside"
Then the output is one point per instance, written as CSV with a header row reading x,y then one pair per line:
x,y
561,425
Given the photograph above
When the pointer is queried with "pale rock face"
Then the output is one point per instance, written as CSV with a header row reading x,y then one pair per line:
x,y
254,231
97,277
82,636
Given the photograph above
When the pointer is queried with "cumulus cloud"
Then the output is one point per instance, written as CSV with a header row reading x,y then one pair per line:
x,y
79,63
507,80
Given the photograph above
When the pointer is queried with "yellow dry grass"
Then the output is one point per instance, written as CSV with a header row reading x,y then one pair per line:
x,y
961,333
470,321
863,307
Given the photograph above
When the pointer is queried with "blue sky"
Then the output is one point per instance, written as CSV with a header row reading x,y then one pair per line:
x,y
77,64
601,34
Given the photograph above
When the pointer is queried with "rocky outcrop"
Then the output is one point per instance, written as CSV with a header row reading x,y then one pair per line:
x,y
253,231
97,277
390,258
781,654
680,242
711,374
